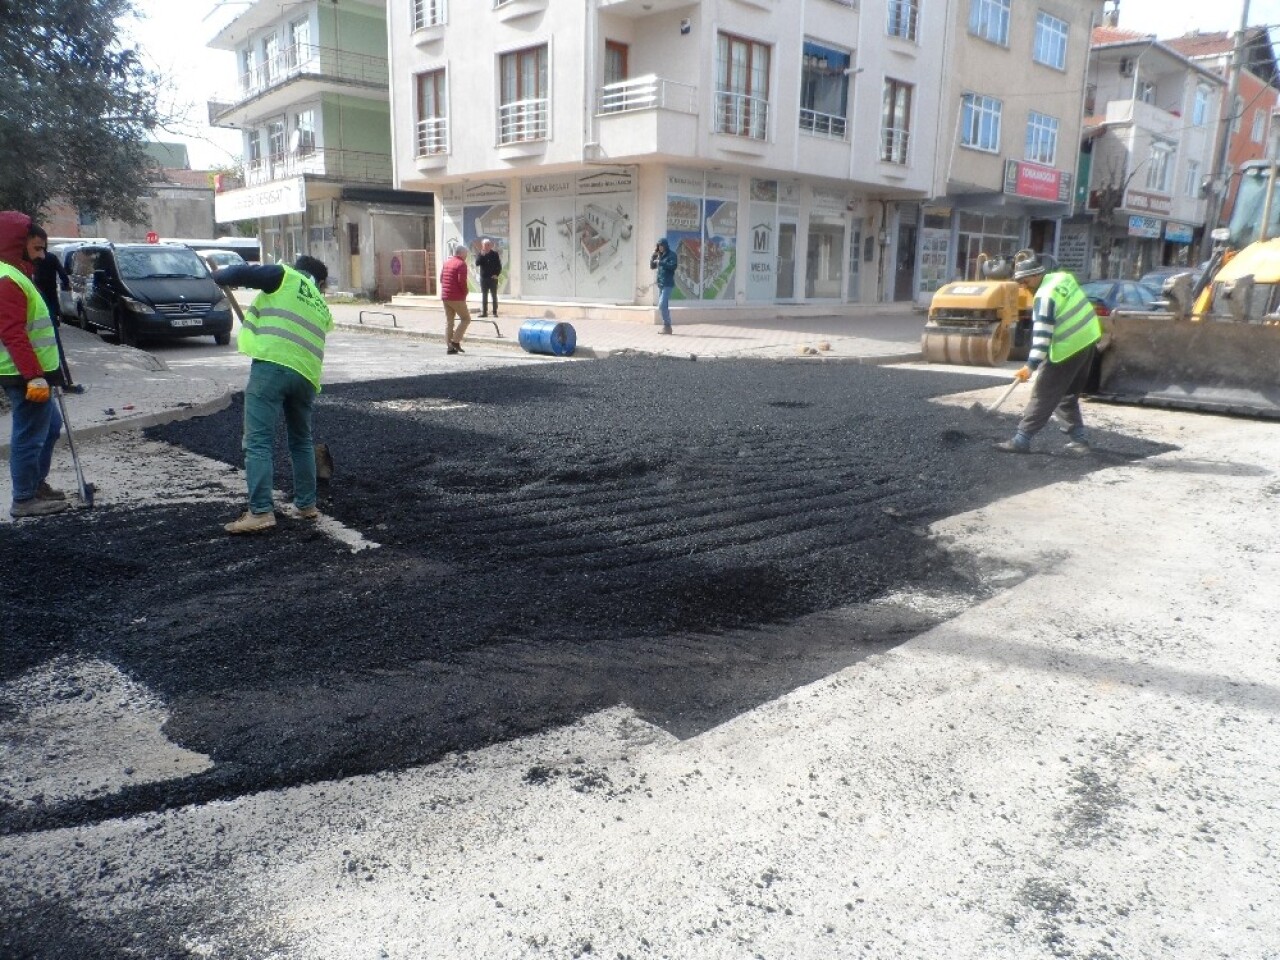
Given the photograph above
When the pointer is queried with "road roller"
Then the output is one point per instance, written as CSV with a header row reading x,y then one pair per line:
x,y
979,323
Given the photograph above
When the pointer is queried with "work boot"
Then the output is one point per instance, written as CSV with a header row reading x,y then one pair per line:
x,y
46,492
1078,446
308,513
457,347
665,330
35,507
451,349
250,522
1016,445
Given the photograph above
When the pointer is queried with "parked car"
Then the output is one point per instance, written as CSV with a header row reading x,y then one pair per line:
x,y
1110,295
68,300
1157,277
137,291
217,259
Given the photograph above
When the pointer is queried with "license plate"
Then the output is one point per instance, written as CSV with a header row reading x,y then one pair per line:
x,y
186,321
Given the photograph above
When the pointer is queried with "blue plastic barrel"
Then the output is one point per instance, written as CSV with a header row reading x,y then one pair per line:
x,y
548,336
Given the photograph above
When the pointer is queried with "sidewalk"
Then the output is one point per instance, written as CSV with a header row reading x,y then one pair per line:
x,y
126,388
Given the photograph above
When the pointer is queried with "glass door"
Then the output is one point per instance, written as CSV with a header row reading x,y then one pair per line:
x,y
786,260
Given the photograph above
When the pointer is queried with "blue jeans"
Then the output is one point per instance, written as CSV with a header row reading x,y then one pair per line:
x,y
36,427
664,305
272,389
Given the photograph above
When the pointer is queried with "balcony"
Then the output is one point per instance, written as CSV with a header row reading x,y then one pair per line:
x,y
348,166
826,125
324,67
429,19
524,127
432,143
895,145
743,120
647,115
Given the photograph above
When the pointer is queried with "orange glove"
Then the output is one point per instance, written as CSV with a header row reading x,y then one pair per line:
x,y
1023,374
38,390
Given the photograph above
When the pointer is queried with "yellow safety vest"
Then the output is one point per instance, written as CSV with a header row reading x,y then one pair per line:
x,y
1076,325
288,326
39,326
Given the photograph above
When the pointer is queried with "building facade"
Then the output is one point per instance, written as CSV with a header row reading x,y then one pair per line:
x,y
311,98
781,146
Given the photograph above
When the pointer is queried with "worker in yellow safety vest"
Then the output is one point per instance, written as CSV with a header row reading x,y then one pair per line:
x,y
1064,330
30,367
284,333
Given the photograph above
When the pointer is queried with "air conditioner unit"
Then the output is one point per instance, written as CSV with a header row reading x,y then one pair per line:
x,y
1127,65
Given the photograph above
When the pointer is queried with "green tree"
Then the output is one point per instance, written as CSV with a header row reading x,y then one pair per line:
x,y
76,105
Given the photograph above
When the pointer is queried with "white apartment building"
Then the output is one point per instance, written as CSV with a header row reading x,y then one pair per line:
x,y
1149,142
773,142
311,98
1009,136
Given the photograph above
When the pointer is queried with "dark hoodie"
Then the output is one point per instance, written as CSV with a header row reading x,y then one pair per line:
x,y
13,301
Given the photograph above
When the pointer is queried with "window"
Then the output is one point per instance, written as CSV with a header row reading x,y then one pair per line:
x,y
1200,106
904,16
824,91
525,108
428,13
989,19
1192,188
275,139
1051,42
742,87
1159,166
304,130
1146,92
255,148
1042,139
615,62
980,122
1259,126
249,69
271,57
895,121
433,114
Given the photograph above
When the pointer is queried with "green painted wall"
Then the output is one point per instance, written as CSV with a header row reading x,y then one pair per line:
x,y
354,27
354,124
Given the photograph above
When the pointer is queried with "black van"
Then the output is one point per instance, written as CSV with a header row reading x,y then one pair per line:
x,y
139,291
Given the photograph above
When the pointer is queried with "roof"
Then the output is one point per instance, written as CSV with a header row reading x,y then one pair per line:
x,y
1198,44
1259,56
1102,35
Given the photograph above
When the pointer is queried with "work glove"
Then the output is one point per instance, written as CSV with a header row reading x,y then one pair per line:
x,y
1023,374
38,390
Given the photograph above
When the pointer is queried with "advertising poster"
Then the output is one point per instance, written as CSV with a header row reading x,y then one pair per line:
x,y
492,222
719,249
450,234
762,284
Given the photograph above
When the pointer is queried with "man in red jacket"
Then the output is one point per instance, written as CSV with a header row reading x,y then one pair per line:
x,y
453,291
30,364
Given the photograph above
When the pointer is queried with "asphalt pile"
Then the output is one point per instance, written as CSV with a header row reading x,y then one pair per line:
x,y
555,539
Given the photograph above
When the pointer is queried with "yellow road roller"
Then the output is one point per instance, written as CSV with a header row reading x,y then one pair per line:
x,y
982,322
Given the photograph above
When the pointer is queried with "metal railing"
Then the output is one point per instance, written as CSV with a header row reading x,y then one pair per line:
x,y
904,17
740,115
649,92
430,13
353,166
524,120
433,136
895,145
311,60
822,124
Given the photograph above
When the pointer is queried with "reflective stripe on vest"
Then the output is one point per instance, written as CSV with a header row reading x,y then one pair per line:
x,y
1075,323
39,326
288,327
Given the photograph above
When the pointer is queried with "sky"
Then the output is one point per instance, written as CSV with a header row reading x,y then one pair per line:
x,y
173,33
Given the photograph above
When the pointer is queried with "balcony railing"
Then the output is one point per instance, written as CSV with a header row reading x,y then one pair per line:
x,y
903,19
524,120
822,124
433,136
351,166
648,93
429,13
740,115
310,60
895,145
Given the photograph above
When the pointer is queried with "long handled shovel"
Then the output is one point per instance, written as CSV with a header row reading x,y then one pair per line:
x,y
979,408
86,490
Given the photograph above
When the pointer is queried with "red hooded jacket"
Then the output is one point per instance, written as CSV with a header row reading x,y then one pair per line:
x,y
453,279
13,301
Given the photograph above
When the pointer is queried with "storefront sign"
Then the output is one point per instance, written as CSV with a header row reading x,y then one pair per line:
x,y
1145,227
1073,248
1036,182
276,199
1146,202
1177,232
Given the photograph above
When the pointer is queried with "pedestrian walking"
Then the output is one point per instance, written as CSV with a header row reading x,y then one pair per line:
x,y
453,293
1064,330
50,277
664,261
490,266
30,366
284,333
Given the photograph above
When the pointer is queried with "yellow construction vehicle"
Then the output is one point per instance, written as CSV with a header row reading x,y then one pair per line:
x,y
980,322
1217,348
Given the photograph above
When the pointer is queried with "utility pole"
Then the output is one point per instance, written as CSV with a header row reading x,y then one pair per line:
x,y
1221,178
